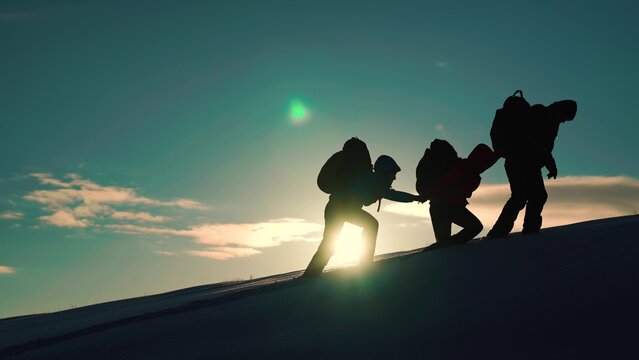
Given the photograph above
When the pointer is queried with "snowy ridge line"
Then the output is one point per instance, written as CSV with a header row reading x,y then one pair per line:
x,y
586,268
22,329
223,298
229,291
195,289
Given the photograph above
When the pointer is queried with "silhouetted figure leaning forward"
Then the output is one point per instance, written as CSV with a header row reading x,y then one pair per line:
x,y
346,201
447,181
529,150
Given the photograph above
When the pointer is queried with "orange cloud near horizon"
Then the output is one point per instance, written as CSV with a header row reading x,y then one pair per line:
x,y
224,253
7,270
227,241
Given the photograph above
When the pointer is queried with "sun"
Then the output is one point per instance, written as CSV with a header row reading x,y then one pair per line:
x,y
348,246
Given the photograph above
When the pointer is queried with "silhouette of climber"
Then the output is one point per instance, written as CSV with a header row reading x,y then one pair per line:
x,y
447,181
346,206
532,150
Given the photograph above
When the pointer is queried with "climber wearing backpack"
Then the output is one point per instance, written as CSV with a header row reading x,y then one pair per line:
x,y
447,181
530,134
348,178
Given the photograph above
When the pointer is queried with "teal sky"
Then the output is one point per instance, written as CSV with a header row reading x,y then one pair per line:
x,y
153,145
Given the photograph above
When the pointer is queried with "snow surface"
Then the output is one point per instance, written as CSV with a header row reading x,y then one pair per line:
x,y
569,292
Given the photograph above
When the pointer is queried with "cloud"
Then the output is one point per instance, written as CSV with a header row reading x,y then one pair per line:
x,y
89,192
75,202
65,218
47,179
442,64
7,270
570,199
85,191
140,230
138,216
408,209
11,215
90,210
224,253
244,236
76,198
164,253
263,234
185,204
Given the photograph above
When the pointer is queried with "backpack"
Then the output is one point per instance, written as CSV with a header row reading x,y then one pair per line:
x,y
438,159
482,158
479,160
504,132
351,162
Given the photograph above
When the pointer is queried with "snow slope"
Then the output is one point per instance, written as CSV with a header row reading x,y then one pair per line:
x,y
567,292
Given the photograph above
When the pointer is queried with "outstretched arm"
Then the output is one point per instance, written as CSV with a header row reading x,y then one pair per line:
x,y
400,196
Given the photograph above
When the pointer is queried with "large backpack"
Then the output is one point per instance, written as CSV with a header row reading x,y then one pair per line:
x,y
508,122
479,160
442,175
351,162
438,159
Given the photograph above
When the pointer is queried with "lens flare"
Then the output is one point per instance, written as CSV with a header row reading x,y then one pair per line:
x,y
298,112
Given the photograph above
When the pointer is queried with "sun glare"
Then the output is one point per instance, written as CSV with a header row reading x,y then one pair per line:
x,y
298,112
348,247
